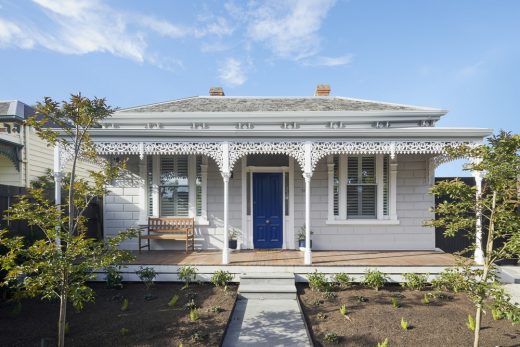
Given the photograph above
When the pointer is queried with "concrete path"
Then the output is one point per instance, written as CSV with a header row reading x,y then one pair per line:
x,y
267,322
513,290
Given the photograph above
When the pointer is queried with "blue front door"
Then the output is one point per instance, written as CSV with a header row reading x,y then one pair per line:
x,y
267,210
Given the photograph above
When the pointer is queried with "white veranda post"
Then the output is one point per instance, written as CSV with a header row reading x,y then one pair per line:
x,y
479,254
307,174
226,174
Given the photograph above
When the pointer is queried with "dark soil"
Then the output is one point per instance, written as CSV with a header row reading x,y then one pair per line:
x,y
147,323
441,323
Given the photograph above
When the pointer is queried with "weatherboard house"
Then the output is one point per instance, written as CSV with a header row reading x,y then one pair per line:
x,y
347,174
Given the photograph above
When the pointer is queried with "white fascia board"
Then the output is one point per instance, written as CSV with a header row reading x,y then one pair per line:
x,y
266,117
339,134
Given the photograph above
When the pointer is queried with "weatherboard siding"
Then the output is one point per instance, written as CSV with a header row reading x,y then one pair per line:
x,y
122,210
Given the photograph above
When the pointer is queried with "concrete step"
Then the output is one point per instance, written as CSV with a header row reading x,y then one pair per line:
x,y
267,286
267,281
509,274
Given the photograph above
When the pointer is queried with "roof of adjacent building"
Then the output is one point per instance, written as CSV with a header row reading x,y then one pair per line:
x,y
16,109
272,104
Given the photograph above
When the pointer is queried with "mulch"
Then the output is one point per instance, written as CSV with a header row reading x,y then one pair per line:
x,y
145,323
440,323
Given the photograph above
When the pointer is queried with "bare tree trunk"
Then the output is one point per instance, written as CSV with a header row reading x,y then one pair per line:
x,y
478,316
62,320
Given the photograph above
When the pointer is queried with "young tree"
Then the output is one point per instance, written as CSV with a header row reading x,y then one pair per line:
x,y
497,204
59,265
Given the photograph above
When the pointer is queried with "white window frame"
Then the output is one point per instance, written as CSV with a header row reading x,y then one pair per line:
x,y
192,203
341,219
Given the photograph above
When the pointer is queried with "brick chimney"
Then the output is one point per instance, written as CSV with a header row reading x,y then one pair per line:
x,y
322,90
216,91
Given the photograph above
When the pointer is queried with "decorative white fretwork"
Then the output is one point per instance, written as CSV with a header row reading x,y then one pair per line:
x,y
211,149
292,149
322,149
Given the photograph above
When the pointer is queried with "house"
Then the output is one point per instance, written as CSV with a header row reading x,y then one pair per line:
x,y
350,174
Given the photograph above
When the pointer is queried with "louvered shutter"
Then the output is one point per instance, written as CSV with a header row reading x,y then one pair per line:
x,y
174,189
361,187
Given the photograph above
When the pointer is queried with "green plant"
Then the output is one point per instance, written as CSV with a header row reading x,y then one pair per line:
x,y
318,302
471,323
374,279
425,300
187,274
383,344
221,278
332,337
173,300
124,305
233,233
343,280
113,277
395,302
199,336
58,266
301,233
147,275
404,324
124,331
321,316
415,281
329,295
343,310
450,280
318,282
215,309
194,314
497,314
361,298
190,305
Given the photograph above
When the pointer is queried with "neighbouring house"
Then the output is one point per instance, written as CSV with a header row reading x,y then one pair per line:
x,y
350,174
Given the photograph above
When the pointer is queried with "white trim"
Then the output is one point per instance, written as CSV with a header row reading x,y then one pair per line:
x,y
330,185
290,224
243,177
342,196
156,171
192,194
392,190
362,222
204,190
143,211
267,169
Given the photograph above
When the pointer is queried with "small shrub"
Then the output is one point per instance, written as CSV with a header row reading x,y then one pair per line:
x,y
330,295
187,274
331,337
361,298
124,331
471,323
442,296
318,302
343,310
343,280
221,278
415,281
450,280
113,278
425,300
383,344
194,315
374,279
395,303
215,309
199,336
497,314
190,305
146,275
404,324
318,282
124,305
173,301
321,316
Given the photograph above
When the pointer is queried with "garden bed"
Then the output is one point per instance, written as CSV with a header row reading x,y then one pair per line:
x,y
144,323
442,322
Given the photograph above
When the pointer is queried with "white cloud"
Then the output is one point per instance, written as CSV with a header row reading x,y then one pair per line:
x,y
12,35
290,28
232,72
329,61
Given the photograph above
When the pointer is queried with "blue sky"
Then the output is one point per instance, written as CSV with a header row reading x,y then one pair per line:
x,y
460,55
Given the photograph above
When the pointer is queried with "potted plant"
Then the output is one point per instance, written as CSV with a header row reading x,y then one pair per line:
x,y
301,238
232,238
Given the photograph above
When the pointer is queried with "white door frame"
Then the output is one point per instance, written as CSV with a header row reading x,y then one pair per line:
x,y
247,221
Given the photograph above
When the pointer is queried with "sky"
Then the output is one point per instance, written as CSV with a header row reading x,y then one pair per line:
x,y
463,56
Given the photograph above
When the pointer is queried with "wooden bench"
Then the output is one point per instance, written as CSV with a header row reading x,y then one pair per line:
x,y
169,228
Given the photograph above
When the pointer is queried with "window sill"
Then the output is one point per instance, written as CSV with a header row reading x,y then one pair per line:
x,y
363,222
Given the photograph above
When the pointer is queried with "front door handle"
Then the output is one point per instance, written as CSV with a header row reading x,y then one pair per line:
x,y
267,221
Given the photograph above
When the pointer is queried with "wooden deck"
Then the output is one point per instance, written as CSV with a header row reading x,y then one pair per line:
x,y
295,258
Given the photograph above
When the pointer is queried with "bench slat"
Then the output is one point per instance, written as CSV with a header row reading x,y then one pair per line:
x,y
170,228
